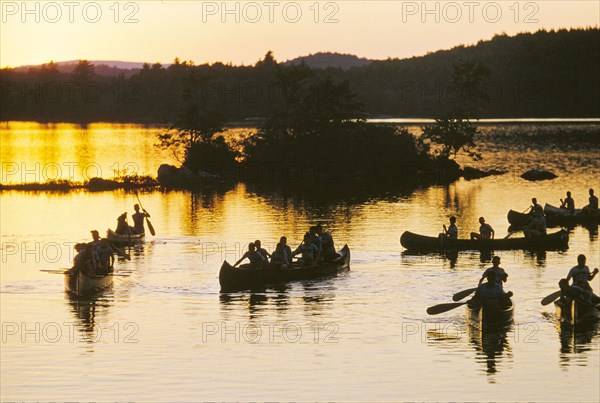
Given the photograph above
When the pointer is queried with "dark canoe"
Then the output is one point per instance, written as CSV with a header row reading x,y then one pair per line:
x,y
576,314
414,242
563,216
117,239
243,278
555,216
482,318
81,284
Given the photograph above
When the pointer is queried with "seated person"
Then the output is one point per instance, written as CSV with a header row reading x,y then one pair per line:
x,y
592,207
279,258
452,231
500,274
122,226
106,258
286,248
262,250
568,203
329,252
581,295
485,231
537,227
256,259
490,295
310,253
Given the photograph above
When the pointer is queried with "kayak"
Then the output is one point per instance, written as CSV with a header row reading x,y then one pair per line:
x,y
556,241
124,239
247,278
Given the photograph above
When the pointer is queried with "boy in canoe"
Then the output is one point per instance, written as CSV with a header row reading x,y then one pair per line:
x,y
537,226
310,253
581,274
262,250
490,294
286,248
499,274
573,292
452,231
122,226
592,207
568,203
138,220
485,231
535,206
256,259
279,258
328,248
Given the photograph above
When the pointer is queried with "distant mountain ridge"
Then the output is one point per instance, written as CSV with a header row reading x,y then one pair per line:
x,y
323,60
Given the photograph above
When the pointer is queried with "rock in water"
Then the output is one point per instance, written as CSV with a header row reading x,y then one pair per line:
x,y
538,175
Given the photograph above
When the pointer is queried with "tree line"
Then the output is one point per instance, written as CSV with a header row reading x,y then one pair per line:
x,y
542,74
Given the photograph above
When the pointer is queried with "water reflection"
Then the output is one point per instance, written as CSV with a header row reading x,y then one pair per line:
x,y
89,311
492,347
576,342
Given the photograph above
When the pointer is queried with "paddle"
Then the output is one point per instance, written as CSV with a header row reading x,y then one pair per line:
x,y
551,298
120,252
441,308
150,227
509,234
463,294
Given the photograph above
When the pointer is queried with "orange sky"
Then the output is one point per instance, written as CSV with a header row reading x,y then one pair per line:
x,y
35,32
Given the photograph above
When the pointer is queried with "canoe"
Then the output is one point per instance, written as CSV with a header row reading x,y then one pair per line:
x,y
576,314
82,284
129,239
482,318
562,215
555,216
244,278
556,241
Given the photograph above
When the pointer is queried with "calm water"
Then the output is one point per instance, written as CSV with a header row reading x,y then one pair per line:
x,y
166,333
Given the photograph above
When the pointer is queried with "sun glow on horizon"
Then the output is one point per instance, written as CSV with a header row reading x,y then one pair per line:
x,y
242,32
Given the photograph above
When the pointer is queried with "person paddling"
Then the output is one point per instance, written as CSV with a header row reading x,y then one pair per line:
x,y
537,227
568,203
329,252
279,258
485,231
452,231
262,250
138,220
256,259
499,273
286,248
309,251
490,294
535,206
581,274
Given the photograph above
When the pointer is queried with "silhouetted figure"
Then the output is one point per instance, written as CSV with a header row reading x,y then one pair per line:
x,y
256,258
485,231
568,203
499,273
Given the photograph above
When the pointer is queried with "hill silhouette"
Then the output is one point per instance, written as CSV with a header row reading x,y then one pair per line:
x,y
541,74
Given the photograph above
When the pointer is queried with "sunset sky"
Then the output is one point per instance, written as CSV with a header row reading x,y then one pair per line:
x,y
241,32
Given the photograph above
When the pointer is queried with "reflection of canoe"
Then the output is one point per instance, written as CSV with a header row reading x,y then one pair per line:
x,y
243,278
490,318
558,240
555,216
577,314
128,239
81,284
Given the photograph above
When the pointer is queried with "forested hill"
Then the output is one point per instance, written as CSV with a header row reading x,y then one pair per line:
x,y
544,74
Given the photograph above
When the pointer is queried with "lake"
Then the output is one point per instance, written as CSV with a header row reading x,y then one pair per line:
x,y
165,332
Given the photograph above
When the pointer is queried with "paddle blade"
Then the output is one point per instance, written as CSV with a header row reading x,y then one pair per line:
x,y
150,227
551,298
463,294
441,308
